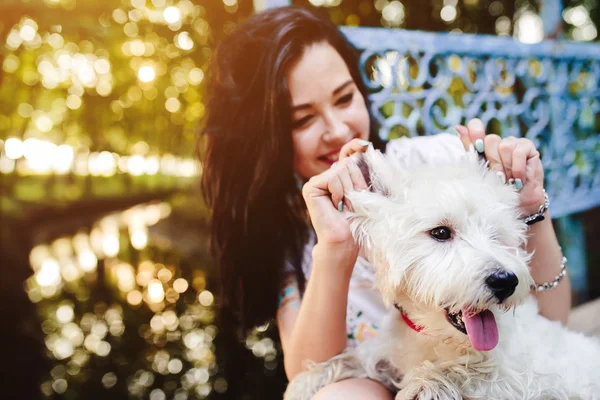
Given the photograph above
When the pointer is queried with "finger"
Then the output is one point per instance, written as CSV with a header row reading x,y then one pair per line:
x,y
349,179
505,149
464,136
493,155
538,168
476,134
344,176
317,186
336,188
524,150
357,177
354,146
322,194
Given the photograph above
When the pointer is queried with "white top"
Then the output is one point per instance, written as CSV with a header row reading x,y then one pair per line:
x,y
365,306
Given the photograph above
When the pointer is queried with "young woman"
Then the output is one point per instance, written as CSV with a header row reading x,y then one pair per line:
x,y
286,108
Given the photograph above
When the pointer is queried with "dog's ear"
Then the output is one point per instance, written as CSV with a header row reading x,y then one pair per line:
x,y
366,172
472,156
379,173
364,169
381,176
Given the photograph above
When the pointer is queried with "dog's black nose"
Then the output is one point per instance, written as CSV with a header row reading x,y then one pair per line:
x,y
502,284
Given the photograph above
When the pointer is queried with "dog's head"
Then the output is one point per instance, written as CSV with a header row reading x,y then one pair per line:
x,y
446,243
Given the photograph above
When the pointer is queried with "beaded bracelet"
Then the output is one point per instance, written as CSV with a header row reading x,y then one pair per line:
x,y
551,285
539,215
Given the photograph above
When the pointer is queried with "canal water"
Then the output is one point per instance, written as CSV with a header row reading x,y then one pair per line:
x,y
125,307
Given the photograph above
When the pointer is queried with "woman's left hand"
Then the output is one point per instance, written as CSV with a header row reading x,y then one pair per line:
x,y
516,158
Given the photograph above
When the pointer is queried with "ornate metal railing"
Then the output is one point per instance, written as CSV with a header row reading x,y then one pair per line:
x,y
423,83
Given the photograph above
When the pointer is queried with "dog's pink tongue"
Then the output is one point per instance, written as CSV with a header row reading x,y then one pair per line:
x,y
482,330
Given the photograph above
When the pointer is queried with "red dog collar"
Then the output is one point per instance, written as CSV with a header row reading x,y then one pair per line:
x,y
408,321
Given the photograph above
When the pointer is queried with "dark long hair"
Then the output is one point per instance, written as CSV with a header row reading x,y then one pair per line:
x,y
258,216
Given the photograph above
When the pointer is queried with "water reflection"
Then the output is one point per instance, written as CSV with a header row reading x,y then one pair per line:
x,y
117,315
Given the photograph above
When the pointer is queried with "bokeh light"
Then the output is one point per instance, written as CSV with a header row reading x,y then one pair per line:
x,y
529,28
13,148
172,15
146,73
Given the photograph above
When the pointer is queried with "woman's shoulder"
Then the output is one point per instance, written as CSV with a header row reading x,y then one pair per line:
x,y
435,149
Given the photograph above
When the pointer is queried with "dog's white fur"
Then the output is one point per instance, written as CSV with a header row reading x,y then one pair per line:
x,y
534,359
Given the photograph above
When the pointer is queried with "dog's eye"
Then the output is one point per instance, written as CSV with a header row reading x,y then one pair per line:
x,y
441,233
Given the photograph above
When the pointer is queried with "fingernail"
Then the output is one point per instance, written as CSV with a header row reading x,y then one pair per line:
x,y
511,181
518,184
501,176
341,206
479,145
364,142
453,131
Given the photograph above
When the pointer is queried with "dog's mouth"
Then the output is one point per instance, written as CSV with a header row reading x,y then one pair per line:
x,y
456,321
480,327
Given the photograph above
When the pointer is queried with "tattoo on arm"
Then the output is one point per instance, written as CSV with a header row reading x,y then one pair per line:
x,y
289,297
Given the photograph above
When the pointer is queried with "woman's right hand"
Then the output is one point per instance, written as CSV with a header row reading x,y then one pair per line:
x,y
324,192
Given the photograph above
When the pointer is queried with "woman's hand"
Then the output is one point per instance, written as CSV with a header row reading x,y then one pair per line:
x,y
516,161
324,197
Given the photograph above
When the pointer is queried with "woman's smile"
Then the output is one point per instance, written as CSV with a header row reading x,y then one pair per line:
x,y
330,157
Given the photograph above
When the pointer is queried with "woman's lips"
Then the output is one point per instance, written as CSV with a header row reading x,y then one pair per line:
x,y
330,157
326,161
332,152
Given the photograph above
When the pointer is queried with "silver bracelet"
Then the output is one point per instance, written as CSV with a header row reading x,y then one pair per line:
x,y
539,215
551,285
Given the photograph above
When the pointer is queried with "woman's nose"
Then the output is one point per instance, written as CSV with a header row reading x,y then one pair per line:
x,y
336,128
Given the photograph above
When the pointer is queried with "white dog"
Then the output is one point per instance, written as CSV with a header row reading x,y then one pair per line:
x,y
447,247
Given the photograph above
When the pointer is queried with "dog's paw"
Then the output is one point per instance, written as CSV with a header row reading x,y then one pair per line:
x,y
428,391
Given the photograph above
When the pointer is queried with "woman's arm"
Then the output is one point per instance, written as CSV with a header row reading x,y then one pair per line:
x,y
315,328
545,265
316,331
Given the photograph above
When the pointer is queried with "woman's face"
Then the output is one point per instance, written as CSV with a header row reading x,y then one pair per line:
x,y
328,110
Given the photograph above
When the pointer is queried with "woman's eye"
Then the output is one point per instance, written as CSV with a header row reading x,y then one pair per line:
x,y
441,233
301,122
345,99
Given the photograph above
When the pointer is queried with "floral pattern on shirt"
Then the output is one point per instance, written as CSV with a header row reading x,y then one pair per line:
x,y
358,328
